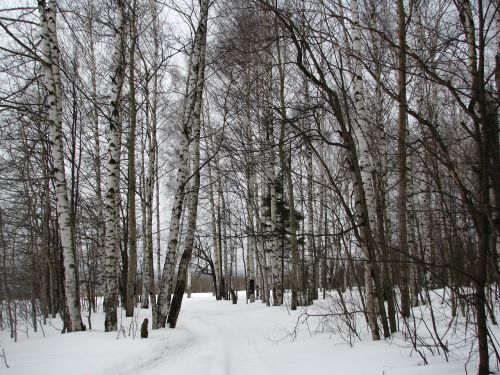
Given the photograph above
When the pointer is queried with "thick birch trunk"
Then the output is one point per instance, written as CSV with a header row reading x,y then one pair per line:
x,y
197,59
52,82
364,187
113,175
365,166
185,261
286,167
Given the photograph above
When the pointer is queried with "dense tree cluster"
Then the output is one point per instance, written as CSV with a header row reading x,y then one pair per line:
x,y
348,146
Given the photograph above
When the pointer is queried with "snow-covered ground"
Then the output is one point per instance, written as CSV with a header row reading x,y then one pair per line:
x,y
216,337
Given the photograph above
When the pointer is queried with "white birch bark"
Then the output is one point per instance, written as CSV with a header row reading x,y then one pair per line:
x,y
157,181
286,168
275,249
213,209
155,10
196,58
144,211
250,202
261,255
184,265
275,253
184,271
365,165
402,186
52,83
113,175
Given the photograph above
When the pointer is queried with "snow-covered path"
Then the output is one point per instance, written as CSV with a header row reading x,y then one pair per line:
x,y
212,338
216,338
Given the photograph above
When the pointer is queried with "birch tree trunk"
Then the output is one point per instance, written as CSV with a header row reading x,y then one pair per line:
x,y
146,261
271,179
365,165
52,83
286,167
402,184
113,175
261,256
185,261
214,208
222,231
311,245
157,179
190,117
275,248
101,226
381,184
154,167
250,203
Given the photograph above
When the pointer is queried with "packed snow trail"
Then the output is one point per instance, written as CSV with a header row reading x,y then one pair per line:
x,y
218,338
213,338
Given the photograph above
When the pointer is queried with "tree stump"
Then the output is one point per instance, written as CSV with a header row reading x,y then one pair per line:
x,y
144,329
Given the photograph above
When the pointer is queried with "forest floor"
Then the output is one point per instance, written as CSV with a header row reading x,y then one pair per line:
x,y
218,338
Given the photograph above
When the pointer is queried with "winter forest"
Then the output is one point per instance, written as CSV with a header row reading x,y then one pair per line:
x,y
294,186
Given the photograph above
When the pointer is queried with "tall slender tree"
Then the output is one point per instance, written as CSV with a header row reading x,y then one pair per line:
x,y
191,118
52,83
113,174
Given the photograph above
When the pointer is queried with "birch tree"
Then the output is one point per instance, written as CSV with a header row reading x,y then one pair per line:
x,y
402,189
52,83
113,175
250,204
286,167
365,166
191,113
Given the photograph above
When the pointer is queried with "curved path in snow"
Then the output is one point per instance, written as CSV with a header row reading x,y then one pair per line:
x,y
217,338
